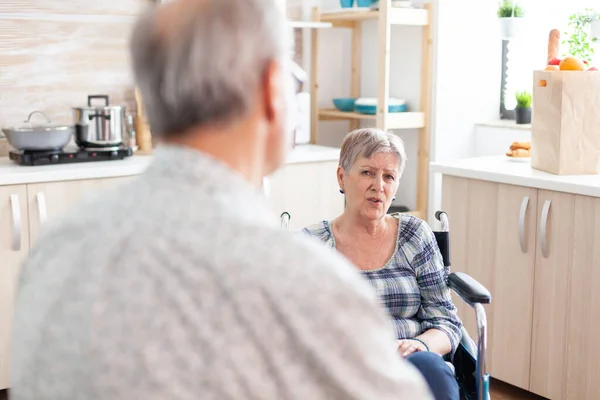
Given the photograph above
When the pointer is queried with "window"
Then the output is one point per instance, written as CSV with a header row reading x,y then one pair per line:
x,y
523,55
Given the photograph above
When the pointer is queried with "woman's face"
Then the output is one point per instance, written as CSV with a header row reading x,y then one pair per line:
x,y
370,185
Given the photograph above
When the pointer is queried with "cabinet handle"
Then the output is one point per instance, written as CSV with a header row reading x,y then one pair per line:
x,y
266,188
522,215
543,228
16,215
41,203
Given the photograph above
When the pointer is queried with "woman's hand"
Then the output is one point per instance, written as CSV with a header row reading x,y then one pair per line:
x,y
406,347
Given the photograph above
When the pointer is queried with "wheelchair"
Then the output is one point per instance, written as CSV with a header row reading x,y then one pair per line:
x,y
468,361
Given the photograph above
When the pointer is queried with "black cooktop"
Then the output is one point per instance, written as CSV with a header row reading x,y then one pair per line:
x,y
67,156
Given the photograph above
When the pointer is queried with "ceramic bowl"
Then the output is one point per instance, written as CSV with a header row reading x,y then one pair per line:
x,y
344,103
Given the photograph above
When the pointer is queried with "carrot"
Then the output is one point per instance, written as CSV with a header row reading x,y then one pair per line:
x,y
553,44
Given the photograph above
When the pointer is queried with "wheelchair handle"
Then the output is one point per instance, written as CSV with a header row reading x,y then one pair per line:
x,y
442,216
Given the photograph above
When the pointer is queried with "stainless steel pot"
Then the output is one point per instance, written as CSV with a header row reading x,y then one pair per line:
x,y
99,127
38,137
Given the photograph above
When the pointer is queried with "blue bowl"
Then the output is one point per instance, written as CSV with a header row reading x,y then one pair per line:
x,y
347,3
364,3
371,109
344,103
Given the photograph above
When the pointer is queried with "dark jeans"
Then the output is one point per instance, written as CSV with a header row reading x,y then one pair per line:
x,y
438,375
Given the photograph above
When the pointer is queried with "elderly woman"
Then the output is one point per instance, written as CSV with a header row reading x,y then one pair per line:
x,y
397,253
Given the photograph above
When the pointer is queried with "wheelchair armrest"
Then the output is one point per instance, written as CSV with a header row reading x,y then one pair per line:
x,y
468,288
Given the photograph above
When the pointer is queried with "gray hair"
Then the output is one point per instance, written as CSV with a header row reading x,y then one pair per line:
x,y
202,61
369,141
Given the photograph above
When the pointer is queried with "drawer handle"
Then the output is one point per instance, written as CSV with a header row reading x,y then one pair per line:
x,y
543,228
16,216
41,203
522,215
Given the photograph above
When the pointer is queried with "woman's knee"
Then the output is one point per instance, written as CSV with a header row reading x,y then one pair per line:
x,y
438,375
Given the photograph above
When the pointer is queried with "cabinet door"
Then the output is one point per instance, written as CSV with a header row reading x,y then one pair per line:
x,y
551,293
583,326
512,287
308,191
487,242
14,247
49,200
471,206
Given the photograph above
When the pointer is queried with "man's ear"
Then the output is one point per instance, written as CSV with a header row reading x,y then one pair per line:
x,y
273,95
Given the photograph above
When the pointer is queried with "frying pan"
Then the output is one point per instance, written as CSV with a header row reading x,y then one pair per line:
x,y
38,137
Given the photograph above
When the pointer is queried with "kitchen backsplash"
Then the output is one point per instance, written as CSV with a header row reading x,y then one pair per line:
x,y
53,53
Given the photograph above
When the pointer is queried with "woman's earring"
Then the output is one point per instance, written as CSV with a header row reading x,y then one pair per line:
x,y
341,191
394,199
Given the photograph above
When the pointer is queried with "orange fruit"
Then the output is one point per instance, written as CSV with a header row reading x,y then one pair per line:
x,y
572,64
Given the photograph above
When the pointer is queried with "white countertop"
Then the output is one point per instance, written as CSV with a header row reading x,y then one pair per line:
x,y
501,169
13,174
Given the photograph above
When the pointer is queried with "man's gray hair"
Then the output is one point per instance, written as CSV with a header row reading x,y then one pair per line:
x,y
369,141
202,61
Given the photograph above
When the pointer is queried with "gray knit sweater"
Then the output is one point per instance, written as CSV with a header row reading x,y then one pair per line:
x,y
180,285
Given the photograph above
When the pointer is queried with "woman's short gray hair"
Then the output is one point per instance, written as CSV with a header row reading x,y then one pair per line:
x,y
367,142
202,61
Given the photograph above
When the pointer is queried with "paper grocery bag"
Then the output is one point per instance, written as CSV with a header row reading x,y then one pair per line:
x,y
565,125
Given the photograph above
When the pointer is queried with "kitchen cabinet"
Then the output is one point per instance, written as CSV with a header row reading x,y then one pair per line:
x,y
485,243
49,200
14,247
540,260
23,210
309,192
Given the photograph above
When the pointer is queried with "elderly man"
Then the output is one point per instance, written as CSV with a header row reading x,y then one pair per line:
x,y
181,285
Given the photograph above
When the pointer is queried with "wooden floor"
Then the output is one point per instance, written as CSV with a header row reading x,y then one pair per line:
x,y
499,391
503,391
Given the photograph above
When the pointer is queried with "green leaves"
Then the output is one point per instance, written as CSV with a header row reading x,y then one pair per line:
x,y
523,99
506,9
579,40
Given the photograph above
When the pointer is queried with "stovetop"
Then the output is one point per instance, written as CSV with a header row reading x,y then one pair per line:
x,y
67,156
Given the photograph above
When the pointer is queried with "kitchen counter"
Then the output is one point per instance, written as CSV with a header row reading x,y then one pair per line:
x,y
13,174
501,169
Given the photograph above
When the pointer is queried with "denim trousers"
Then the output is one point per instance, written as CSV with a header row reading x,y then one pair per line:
x,y
438,375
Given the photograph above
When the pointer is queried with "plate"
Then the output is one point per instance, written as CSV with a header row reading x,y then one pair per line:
x,y
518,159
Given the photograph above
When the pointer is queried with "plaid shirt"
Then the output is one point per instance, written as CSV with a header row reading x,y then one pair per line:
x,y
412,285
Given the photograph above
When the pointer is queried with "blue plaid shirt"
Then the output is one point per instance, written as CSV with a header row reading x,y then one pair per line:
x,y
412,285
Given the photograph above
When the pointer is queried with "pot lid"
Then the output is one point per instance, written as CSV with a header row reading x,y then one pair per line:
x,y
29,126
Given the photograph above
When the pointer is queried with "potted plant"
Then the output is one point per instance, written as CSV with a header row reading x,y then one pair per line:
x,y
523,109
584,31
511,19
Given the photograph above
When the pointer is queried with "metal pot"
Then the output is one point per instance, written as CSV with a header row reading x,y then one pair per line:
x,y
38,137
99,127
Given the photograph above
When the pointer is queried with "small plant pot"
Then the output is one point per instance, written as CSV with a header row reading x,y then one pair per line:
x,y
511,27
595,30
523,115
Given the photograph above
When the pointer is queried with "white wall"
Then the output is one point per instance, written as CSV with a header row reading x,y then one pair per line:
x,y
494,140
467,71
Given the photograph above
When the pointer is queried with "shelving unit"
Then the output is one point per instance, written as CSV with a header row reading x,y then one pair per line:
x,y
386,16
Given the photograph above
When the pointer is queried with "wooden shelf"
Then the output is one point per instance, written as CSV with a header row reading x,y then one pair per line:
x,y
310,24
397,16
400,120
